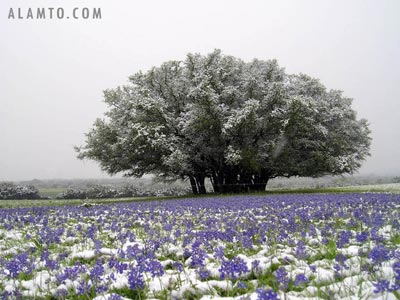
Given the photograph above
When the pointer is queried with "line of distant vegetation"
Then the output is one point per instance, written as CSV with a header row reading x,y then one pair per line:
x,y
374,188
58,190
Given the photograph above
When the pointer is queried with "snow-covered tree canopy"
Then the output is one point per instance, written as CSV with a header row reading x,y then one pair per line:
x,y
237,123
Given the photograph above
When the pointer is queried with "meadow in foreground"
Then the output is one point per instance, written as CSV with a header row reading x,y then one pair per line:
x,y
320,246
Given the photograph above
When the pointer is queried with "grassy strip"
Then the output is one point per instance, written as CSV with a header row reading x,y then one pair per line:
x,y
50,192
376,188
382,188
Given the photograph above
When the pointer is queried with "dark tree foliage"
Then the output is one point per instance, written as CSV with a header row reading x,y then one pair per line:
x,y
238,124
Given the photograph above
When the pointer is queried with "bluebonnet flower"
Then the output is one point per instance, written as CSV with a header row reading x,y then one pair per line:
x,y
282,278
378,221
100,288
97,246
352,223
97,272
167,227
300,279
264,294
396,269
114,297
178,233
362,237
375,236
198,256
133,251
44,255
178,265
112,262
14,295
112,276
203,273
121,253
52,264
14,268
62,256
313,268
382,285
135,279
91,231
219,253
233,268
121,267
379,254
247,242
255,266
343,238
341,260
19,264
396,224
84,287
301,250
61,293
154,267
5,295
71,273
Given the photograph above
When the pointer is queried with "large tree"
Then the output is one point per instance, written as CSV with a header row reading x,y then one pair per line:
x,y
238,124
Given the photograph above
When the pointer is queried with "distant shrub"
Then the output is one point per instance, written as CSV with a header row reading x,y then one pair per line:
x,y
72,194
102,192
10,191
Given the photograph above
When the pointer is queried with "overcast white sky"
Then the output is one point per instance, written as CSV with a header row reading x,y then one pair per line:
x,y
53,72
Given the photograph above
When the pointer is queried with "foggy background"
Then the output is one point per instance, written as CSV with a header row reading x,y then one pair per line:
x,y
53,72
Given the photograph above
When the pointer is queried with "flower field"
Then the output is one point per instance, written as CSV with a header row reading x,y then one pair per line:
x,y
320,246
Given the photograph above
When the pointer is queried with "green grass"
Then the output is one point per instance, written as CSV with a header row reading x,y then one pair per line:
x,y
59,202
50,192
375,188
378,188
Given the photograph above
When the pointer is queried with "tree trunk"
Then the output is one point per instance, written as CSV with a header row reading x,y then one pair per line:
x,y
260,182
200,184
215,182
194,185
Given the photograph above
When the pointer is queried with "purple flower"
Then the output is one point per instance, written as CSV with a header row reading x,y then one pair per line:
x,y
13,267
343,238
97,246
154,267
114,297
204,274
362,237
219,253
379,254
300,279
178,266
301,250
382,285
233,268
282,278
135,279
83,287
341,260
255,266
96,272
313,268
264,294
61,293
